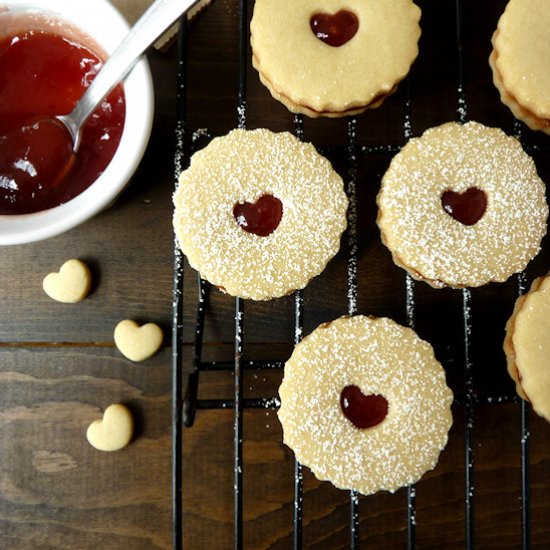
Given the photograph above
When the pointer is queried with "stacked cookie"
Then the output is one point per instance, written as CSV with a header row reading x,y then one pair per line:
x,y
259,213
462,206
520,61
327,58
365,404
527,346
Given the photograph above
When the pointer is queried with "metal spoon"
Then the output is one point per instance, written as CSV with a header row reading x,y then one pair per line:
x,y
159,17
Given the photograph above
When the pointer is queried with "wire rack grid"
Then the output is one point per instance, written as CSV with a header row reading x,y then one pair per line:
x,y
186,402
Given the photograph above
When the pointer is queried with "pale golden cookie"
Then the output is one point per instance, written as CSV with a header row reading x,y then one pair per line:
x,y
114,431
375,44
527,346
338,377
138,343
302,109
521,61
462,206
72,283
520,112
245,173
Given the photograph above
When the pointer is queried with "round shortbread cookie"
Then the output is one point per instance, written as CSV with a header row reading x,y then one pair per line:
x,y
520,112
522,54
381,359
236,173
462,206
292,52
527,346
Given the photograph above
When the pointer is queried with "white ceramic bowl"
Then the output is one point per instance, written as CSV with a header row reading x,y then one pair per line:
x,y
104,24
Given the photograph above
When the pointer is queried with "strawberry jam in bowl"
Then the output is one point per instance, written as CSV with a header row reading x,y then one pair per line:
x,y
50,51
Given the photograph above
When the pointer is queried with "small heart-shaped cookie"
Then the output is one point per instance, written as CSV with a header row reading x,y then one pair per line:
x,y
71,284
138,343
114,431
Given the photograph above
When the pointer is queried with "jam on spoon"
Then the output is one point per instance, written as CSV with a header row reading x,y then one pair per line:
x,y
82,108
38,169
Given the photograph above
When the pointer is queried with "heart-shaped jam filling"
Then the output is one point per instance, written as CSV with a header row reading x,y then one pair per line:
x,y
261,217
468,207
364,411
336,29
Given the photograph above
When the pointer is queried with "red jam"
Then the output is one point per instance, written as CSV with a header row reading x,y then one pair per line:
x,y
334,30
468,207
42,75
364,411
261,217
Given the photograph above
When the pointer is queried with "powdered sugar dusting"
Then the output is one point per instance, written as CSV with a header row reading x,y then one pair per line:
x,y
180,145
380,357
352,218
434,246
241,167
409,301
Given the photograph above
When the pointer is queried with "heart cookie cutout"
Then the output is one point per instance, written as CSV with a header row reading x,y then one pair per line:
x,y
138,343
363,411
261,217
334,29
72,283
114,431
468,207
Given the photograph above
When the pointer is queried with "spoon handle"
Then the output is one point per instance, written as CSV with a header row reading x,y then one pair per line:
x,y
159,17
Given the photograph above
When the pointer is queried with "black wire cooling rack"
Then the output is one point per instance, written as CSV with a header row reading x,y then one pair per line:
x,y
185,391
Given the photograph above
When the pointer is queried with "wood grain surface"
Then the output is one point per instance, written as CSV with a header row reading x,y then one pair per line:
x,y
59,368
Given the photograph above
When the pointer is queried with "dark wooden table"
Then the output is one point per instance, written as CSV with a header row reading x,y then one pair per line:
x,y
59,368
